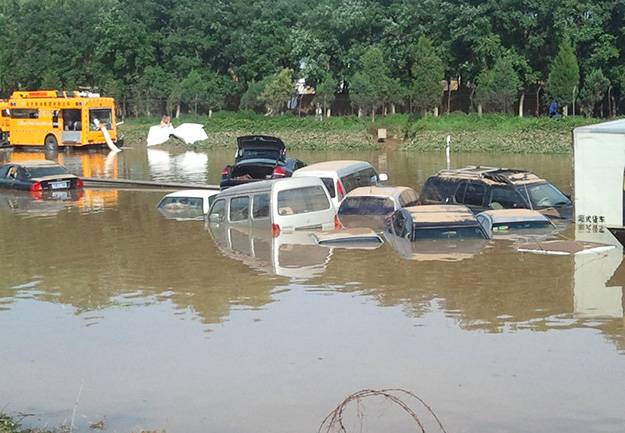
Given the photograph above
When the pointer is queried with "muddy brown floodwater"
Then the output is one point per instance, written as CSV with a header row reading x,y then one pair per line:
x,y
157,324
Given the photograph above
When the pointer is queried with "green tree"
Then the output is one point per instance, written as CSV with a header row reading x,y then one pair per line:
x,y
217,87
193,89
370,85
593,92
427,72
564,74
277,91
325,92
498,87
250,100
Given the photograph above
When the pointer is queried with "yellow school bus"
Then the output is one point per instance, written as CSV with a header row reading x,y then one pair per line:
x,y
55,119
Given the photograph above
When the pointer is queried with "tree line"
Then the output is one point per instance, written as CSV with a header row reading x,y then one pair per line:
x,y
199,56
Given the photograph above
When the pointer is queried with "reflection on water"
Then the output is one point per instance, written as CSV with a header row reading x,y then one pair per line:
x,y
186,167
171,325
293,255
442,250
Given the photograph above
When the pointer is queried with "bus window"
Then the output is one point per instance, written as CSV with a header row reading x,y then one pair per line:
x,y
104,115
25,113
71,119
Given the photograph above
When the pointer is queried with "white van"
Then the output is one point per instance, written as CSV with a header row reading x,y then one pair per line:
x,y
283,205
340,177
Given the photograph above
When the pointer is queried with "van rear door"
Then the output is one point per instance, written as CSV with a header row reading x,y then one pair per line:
x,y
302,204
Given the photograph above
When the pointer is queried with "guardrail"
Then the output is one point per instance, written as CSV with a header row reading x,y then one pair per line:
x,y
100,182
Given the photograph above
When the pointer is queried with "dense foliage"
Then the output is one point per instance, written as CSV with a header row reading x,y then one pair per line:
x,y
158,55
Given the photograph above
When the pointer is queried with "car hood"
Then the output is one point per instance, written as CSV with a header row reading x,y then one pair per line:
x,y
260,142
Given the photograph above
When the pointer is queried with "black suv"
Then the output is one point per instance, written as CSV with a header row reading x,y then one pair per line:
x,y
258,157
482,188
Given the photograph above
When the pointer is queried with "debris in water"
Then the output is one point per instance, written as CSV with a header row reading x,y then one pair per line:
x,y
334,420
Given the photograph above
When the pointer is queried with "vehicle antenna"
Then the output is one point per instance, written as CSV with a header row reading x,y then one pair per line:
x,y
448,151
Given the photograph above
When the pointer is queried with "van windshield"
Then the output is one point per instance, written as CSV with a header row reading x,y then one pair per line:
x,y
543,195
302,200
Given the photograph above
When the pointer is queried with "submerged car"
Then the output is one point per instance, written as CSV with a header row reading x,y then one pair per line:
x,y
435,232
360,238
483,188
187,204
516,224
342,177
278,206
258,157
40,176
370,205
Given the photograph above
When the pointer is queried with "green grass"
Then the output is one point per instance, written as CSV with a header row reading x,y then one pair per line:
x,y
489,133
9,424
494,133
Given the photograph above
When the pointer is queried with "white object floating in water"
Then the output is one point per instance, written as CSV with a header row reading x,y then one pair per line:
x,y
190,132
187,132
564,247
159,134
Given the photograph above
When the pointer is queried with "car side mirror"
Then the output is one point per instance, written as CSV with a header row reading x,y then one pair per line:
x,y
382,177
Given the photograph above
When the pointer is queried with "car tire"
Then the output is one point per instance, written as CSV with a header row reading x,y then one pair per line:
x,y
50,143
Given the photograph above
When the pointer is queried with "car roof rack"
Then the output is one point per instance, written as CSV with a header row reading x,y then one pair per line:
x,y
495,174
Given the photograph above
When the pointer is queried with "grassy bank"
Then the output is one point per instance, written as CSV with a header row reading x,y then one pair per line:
x,y
490,133
10,425
494,133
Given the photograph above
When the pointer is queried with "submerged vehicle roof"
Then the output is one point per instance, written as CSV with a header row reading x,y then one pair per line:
x,y
35,163
359,237
195,193
338,166
267,185
492,175
502,216
379,191
441,215
260,141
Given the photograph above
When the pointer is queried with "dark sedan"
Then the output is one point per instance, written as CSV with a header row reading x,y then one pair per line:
x,y
38,177
258,157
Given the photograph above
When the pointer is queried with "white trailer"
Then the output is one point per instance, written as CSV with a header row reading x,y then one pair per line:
x,y
599,158
599,162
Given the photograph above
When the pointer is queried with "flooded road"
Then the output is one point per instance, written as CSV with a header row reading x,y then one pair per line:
x,y
154,324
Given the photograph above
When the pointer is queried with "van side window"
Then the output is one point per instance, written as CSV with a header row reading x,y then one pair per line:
x,y
218,212
329,184
474,194
239,208
260,208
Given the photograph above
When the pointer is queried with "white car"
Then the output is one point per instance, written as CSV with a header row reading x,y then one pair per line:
x,y
283,205
516,224
187,204
341,177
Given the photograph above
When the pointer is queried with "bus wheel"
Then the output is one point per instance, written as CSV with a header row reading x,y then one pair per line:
x,y
50,143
